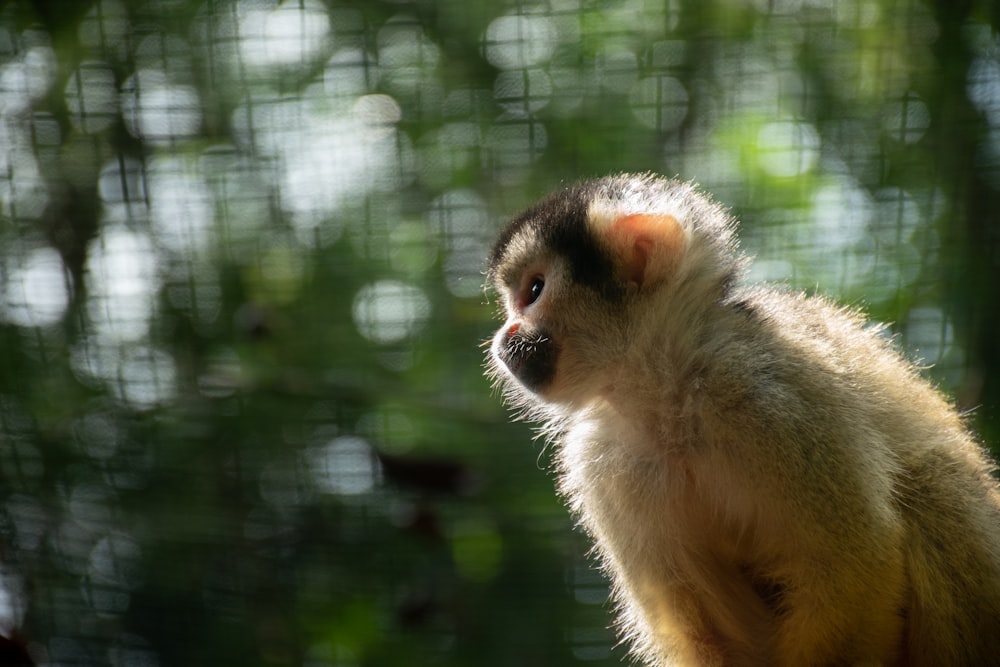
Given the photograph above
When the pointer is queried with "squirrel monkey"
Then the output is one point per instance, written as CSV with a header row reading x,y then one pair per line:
x,y
767,481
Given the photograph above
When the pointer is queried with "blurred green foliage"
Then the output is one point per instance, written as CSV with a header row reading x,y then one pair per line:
x,y
242,413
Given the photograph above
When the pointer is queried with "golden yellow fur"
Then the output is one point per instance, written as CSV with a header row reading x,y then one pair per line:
x,y
767,481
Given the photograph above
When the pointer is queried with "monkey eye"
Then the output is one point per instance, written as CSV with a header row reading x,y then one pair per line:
x,y
534,290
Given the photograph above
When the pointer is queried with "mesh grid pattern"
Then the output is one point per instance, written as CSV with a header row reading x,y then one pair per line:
x,y
242,412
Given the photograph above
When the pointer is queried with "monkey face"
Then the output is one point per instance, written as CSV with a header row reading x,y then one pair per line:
x,y
528,346
559,334
588,271
524,346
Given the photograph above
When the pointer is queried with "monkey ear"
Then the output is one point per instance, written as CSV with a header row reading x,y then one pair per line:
x,y
649,246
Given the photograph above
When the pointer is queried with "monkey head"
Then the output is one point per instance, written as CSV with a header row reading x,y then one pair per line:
x,y
583,275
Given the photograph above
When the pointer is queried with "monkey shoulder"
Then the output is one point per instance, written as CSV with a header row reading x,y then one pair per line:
x,y
774,340
801,380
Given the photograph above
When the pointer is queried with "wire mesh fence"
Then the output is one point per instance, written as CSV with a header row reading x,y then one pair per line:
x,y
242,413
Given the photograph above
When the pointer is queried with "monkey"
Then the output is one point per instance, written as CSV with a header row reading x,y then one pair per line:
x,y
766,479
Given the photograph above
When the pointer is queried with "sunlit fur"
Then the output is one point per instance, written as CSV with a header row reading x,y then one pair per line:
x,y
767,481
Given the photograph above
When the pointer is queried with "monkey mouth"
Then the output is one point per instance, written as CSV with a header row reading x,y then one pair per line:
x,y
514,363
531,359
